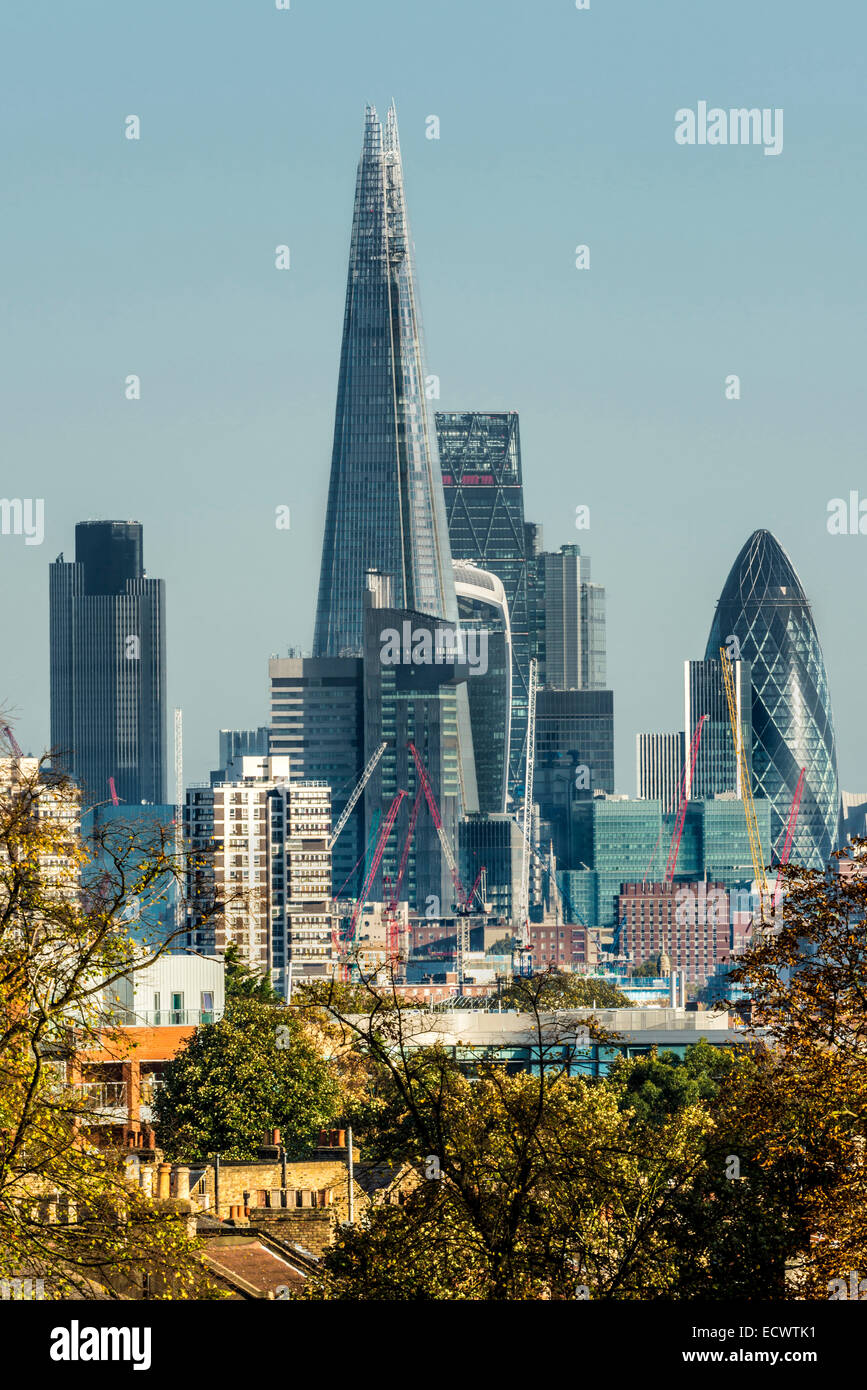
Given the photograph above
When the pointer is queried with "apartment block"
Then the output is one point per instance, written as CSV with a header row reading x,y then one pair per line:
x,y
262,879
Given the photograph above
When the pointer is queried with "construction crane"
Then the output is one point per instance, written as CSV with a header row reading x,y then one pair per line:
x,y
13,742
756,852
392,945
375,862
790,834
617,956
561,893
369,877
475,889
115,799
362,783
462,905
683,802
524,899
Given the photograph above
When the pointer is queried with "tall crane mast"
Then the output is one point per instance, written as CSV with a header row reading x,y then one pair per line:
x,y
376,860
462,904
758,857
683,800
393,896
13,742
362,783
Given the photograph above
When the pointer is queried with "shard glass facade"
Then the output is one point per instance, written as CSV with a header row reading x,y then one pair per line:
x,y
386,510
385,499
763,605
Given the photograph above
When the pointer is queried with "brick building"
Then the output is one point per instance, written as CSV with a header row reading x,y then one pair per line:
x,y
690,922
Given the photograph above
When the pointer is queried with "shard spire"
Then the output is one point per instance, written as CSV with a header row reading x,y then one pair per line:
x,y
386,509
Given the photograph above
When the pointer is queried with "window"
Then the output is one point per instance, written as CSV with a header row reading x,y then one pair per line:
x,y
177,1008
207,1006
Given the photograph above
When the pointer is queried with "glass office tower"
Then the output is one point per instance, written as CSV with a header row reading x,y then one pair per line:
x,y
108,666
717,769
480,455
386,511
763,605
385,498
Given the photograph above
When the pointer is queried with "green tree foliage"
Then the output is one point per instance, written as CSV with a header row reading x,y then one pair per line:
x,y
243,982
732,1172
647,970
256,1069
659,1085
524,1202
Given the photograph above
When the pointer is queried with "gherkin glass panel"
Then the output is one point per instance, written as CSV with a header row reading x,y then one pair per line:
x,y
763,605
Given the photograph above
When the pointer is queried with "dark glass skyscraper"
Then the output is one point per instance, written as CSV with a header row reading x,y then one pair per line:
x,y
480,455
574,756
108,665
764,606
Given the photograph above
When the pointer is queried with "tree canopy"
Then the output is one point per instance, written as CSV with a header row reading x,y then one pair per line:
x,y
255,1069
62,948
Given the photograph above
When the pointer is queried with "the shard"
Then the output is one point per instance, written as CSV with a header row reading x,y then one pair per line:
x,y
386,509
763,606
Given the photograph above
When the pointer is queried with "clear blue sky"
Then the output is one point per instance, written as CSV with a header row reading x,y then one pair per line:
x,y
557,128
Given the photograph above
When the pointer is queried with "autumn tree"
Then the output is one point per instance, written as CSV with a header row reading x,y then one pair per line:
x,y
806,1111
64,944
530,1185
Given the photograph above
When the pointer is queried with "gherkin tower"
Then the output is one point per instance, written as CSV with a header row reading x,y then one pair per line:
x,y
764,606
386,509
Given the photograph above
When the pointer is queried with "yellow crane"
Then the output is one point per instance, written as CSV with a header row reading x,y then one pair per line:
x,y
746,789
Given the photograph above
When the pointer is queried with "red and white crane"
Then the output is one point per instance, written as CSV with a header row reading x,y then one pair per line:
x,y
392,944
790,833
13,742
462,902
375,862
683,800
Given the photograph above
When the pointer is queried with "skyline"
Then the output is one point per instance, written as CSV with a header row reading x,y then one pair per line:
x,y
211,536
